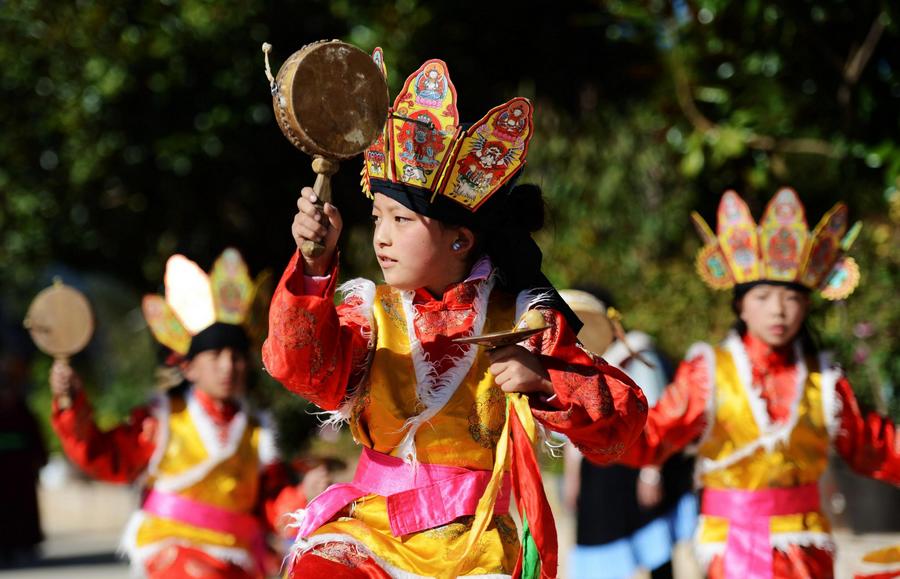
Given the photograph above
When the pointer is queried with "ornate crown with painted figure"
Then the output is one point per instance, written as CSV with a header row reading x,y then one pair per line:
x,y
196,303
424,149
780,249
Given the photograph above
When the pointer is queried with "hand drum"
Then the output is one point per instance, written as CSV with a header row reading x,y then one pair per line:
x,y
60,322
331,102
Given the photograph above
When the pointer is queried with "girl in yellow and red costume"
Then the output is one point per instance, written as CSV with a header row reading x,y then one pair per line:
x,y
764,407
446,428
213,483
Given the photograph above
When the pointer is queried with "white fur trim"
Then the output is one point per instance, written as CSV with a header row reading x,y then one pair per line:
x,y
772,434
548,441
704,552
268,449
824,541
302,546
162,409
709,413
364,290
831,403
216,449
138,556
531,299
434,390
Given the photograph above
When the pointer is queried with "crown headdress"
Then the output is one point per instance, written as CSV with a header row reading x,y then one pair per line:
x,y
424,149
194,301
780,248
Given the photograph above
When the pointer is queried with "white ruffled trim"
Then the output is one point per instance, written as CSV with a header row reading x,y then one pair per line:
x,y
772,434
217,451
831,403
434,390
301,547
364,290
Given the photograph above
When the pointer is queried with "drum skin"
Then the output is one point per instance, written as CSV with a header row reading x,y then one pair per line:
x,y
330,100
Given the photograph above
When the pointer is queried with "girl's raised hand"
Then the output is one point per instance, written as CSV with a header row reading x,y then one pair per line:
x,y
319,225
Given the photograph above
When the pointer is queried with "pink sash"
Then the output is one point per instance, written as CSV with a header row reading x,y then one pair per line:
x,y
418,498
748,551
243,526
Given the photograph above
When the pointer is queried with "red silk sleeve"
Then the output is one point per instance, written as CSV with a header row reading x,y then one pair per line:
x,y
314,348
119,455
677,420
597,406
867,442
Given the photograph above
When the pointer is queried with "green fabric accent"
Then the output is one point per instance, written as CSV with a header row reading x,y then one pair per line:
x,y
531,559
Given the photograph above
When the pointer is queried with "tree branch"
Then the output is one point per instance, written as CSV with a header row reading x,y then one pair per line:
x,y
685,97
859,57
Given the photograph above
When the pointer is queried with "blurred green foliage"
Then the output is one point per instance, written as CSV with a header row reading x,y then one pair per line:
x,y
136,129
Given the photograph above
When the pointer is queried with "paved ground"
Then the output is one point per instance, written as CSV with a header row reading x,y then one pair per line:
x,y
83,522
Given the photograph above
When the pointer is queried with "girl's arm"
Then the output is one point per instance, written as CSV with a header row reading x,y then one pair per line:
x,y
679,417
868,442
119,455
315,349
595,405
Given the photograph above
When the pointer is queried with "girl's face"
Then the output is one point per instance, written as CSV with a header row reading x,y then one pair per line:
x,y
414,251
222,374
773,313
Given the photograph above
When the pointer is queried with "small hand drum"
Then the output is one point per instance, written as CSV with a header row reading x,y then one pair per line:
x,y
60,322
331,102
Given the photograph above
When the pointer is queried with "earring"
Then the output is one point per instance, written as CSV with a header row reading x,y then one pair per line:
x,y
456,245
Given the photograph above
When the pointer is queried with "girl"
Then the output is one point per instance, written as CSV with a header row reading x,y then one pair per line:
x,y
430,497
212,480
764,407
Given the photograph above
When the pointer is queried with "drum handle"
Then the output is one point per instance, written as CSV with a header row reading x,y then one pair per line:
x,y
324,169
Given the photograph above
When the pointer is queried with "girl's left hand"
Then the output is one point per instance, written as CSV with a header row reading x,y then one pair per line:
x,y
515,369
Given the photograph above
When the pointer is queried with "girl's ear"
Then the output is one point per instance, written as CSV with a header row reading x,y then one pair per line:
x,y
187,370
464,241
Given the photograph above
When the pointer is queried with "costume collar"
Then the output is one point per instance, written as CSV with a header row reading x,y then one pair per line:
x,y
765,357
458,296
221,412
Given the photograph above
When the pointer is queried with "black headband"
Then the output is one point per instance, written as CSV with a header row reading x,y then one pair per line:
x,y
742,288
511,248
217,337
